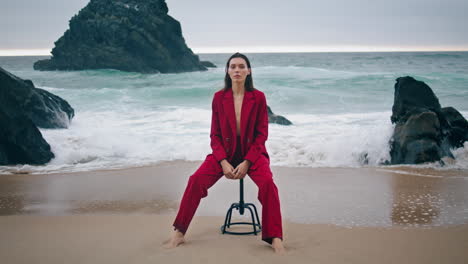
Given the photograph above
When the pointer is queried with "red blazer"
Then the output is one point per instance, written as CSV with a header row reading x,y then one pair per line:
x,y
253,126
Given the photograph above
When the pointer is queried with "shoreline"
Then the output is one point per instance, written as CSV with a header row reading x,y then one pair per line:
x,y
407,169
397,196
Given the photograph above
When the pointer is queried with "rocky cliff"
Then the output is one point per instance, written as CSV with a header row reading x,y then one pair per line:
x,y
127,35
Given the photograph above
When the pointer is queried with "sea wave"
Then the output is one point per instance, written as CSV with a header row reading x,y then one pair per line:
x,y
339,104
135,137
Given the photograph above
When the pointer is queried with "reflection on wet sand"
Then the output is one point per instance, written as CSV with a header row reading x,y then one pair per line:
x,y
423,195
383,196
11,205
146,207
415,205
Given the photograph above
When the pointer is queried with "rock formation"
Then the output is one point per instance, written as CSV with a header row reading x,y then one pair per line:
x,y
127,35
21,142
23,108
459,125
277,119
208,64
45,109
424,132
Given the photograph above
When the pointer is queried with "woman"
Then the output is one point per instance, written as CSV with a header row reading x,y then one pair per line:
x,y
239,129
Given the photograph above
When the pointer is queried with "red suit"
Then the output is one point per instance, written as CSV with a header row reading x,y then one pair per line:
x,y
225,143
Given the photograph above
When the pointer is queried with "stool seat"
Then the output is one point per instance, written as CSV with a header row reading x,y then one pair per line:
x,y
241,206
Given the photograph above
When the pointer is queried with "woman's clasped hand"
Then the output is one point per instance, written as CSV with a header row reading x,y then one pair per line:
x,y
235,173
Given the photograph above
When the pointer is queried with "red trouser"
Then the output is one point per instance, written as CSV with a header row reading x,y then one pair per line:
x,y
210,172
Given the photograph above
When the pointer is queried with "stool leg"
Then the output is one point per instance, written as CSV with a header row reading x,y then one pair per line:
x,y
253,220
229,217
226,219
233,206
256,214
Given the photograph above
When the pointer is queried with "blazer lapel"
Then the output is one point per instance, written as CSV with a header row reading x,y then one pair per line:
x,y
247,105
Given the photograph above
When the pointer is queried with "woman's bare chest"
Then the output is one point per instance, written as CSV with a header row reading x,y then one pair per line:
x,y
238,111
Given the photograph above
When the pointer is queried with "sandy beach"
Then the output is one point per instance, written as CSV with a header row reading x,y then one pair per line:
x,y
108,107
138,238
331,215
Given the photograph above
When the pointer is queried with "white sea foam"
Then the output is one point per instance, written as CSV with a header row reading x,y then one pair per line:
x,y
331,140
118,139
110,139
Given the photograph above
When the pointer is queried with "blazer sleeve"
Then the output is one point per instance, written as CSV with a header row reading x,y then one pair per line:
x,y
215,135
260,133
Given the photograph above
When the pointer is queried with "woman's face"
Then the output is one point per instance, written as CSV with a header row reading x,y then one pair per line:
x,y
238,70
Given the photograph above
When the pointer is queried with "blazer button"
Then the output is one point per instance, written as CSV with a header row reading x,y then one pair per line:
x,y
228,149
227,139
248,139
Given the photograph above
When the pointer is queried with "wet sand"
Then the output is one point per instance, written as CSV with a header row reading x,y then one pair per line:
x,y
385,196
332,215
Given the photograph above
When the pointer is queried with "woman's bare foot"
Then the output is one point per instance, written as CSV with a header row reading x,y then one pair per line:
x,y
277,245
176,239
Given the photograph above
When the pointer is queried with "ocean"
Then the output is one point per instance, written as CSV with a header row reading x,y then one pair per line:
x,y
340,105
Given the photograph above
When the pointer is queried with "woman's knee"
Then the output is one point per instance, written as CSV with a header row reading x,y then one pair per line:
x,y
197,184
267,185
267,191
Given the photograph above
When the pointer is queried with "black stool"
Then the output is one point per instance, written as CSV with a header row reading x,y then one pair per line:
x,y
241,206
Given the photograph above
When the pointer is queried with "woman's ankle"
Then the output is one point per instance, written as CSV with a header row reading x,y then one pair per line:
x,y
277,240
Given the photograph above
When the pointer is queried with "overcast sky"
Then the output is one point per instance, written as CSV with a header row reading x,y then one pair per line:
x,y
268,25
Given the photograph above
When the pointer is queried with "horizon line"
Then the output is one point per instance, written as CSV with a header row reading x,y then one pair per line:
x,y
273,49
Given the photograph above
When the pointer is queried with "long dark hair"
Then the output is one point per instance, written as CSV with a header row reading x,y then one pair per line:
x,y
248,80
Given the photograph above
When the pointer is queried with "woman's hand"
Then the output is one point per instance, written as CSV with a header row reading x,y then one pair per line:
x,y
227,169
241,170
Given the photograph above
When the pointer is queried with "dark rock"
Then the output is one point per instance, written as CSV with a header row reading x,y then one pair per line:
x,y
272,118
459,132
411,97
21,142
417,140
22,108
45,109
127,35
363,158
208,64
424,132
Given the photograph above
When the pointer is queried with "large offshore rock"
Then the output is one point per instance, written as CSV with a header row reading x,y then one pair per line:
x,y
22,109
208,64
424,132
127,35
